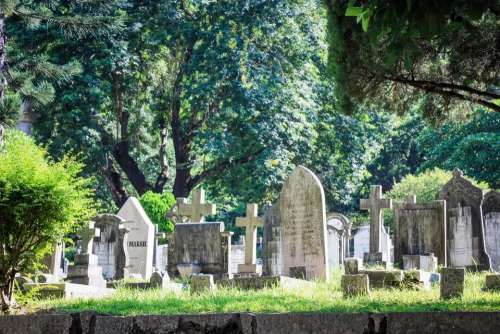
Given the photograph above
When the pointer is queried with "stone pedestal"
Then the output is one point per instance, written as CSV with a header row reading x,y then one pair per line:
x,y
355,285
493,282
201,282
352,266
384,278
86,271
452,282
427,263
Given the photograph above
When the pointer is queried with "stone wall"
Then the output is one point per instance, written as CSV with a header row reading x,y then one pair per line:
x,y
287,323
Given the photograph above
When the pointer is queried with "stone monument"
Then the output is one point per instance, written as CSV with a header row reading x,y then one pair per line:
x,y
250,223
420,230
86,269
297,223
198,209
338,228
361,243
111,246
375,204
141,238
465,228
491,213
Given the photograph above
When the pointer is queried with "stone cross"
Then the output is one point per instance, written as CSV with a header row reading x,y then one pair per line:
x,y
375,204
87,236
250,223
198,209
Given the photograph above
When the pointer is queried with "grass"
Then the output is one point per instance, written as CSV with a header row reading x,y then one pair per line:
x,y
324,297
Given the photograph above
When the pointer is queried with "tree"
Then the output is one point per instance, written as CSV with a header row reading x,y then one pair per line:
x,y
473,146
156,207
192,92
27,74
40,202
443,53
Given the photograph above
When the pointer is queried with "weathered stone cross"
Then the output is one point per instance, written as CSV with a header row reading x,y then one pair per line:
x,y
375,204
198,209
87,236
250,223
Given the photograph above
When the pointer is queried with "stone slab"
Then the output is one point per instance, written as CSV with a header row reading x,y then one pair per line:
x,y
452,282
427,263
352,266
355,285
200,283
256,283
492,282
384,278
68,290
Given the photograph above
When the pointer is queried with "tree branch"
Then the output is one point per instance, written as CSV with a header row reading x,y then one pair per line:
x,y
114,182
164,174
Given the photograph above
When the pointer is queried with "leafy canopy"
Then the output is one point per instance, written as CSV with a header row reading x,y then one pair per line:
x,y
156,207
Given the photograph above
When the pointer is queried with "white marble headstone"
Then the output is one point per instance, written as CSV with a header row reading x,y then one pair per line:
x,y
362,243
140,243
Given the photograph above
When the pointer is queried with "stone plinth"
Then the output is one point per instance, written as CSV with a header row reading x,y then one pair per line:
x,y
452,282
427,263
493,282
352,266
384,278
374,259
422,279
355,285
201,282
86,271
257,283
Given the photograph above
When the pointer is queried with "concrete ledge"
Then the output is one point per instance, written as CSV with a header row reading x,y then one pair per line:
x,y
236,323
68,290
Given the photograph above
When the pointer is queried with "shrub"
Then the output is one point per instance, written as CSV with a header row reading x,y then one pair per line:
x,y
40,202
156,206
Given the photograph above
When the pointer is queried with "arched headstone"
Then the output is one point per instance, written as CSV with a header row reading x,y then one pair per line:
x,y
338,229
491,213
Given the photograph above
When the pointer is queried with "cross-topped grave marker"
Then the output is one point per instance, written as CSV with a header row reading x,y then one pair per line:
x,y
250,223
198,209
375,204
87,236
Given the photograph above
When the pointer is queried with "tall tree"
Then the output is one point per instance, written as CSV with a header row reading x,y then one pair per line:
x,y
442,52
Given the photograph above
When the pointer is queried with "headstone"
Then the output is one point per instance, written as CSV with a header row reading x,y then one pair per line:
x,y
465,228
86,269
162,258
198,209
250,223
338,230
375,204
201,283
205,245
54,261
361,243
353,265
420,229
452,282
491,213
428,263
111,246
355,285
302,228
159,280
493,282
237,255
158,235
271,250
141,238
419,278
384,278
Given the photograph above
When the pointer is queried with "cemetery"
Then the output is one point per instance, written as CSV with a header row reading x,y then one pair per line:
x,y
237,167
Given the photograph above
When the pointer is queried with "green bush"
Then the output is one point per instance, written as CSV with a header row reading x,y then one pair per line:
x,y
156,206
40,202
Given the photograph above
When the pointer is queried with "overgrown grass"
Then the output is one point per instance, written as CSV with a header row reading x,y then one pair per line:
x,y
324,297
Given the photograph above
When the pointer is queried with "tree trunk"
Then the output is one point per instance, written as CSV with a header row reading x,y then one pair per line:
x,y
3,64
6,298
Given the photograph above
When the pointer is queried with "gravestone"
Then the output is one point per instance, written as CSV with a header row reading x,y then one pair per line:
x,y
237,255
250,223
353,265
491,213
198,209
355,285
141,238
54,261
420,229
375,204
338,230
162,258
157,265
203,247
361,243
452,282
303,226
201,282
465,228
86,269
271,249
111,246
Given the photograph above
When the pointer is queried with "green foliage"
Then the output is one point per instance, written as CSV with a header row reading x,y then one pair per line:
x,y
321,297
472,146
40,202
156,207
395,53
425,186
